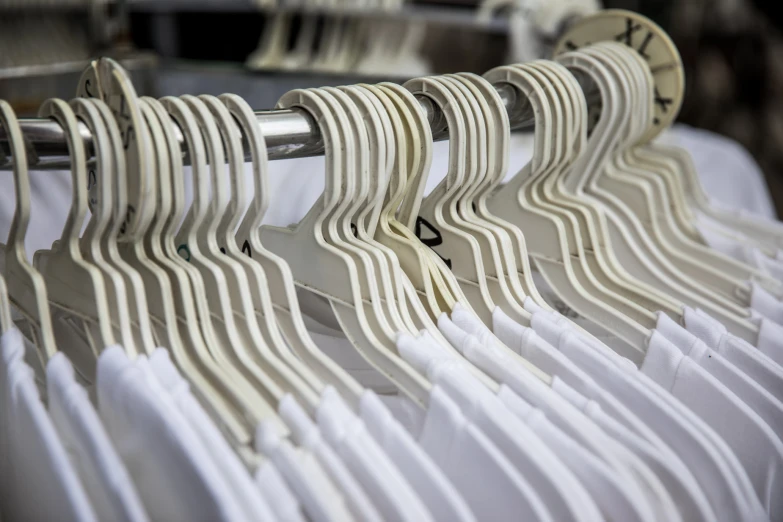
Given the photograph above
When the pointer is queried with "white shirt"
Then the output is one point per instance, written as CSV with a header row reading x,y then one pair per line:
x,y
718,471
762,402
108,485
637,479
435,490
753,441
766,304
306,434
681,485
278,495
738,352
172,470
488,482
615,501
37,480
164,378
770,339
564,496
319,497
381,479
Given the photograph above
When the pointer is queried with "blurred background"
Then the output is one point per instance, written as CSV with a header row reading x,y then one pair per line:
x,y
732,50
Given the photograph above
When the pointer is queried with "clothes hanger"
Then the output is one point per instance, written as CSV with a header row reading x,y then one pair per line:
x,y
367,189
656,48
413,155
652,44
72,284
243,273
242,346
101,215
494,245
517,269
720,272
280,281
107,80
414,317
597,276
666,178
600,254
6,323
378,184
544,234
229,400
458,249
25,285
134,285
336,277
630,241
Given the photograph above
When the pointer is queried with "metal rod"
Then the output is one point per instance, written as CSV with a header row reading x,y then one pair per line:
x,y
289,133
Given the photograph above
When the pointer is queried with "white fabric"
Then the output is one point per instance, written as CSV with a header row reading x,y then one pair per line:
x,y
763,403
320,499
766,304
754,443
159,448
37,480
106,481
381,479
717,470
277,494
734,244
564,496
488,482
614,501
429,482
770,339
739,352
499,363
306,434
728,173
686,494
165,380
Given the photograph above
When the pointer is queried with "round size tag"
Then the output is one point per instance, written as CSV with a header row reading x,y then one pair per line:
x,y
646,38
107,80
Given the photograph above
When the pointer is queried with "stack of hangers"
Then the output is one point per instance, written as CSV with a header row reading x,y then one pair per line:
x,y
193,365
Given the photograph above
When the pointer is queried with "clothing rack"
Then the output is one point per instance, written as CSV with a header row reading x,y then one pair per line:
x,y
289,133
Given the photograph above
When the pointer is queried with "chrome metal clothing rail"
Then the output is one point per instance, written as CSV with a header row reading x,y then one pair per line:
x,y
289,133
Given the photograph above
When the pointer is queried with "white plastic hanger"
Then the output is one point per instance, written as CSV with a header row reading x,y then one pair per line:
x,y
228,399
235,338
630,241
335,277
236,266
279,279
598,247
647,198
595,274
545,235
26,287
6,323
413,155
459,250
101,177
516,263
134,285
72,284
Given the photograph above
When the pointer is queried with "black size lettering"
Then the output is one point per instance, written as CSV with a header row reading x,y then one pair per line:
x,y
126,137
430,241
662,102
354,230
87,86
642,50
246,248
91,180
627,36
184,252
